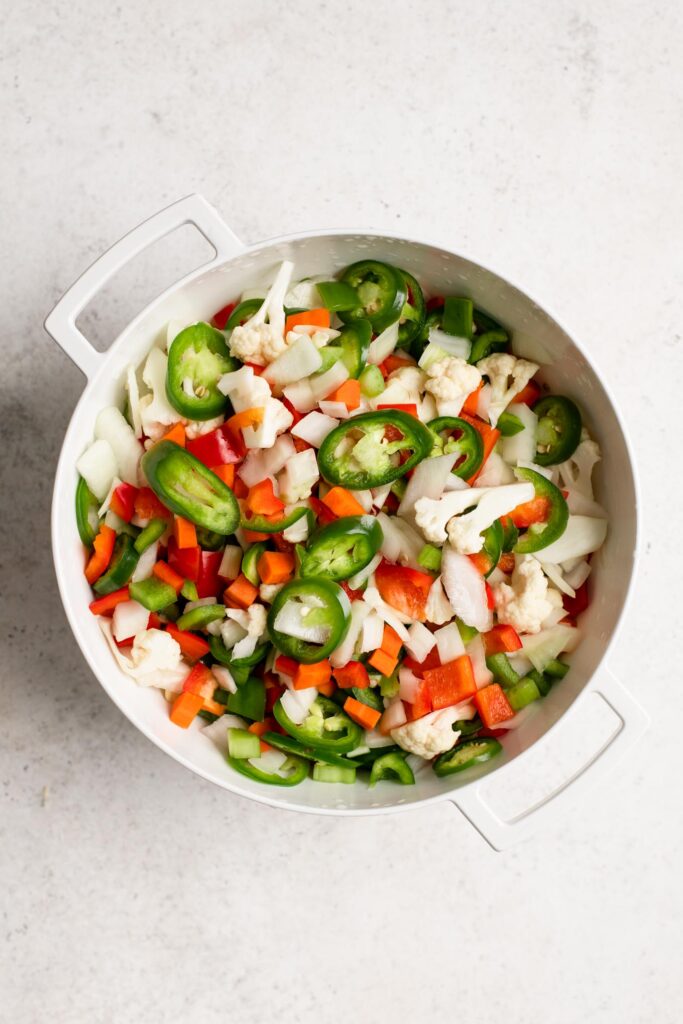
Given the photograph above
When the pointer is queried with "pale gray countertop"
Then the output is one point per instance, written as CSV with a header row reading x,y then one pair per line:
x,y
544,139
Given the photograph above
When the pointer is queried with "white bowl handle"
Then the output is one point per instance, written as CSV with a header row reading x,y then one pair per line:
x,y
501,834
193,209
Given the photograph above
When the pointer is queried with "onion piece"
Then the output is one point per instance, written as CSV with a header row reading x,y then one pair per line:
x,y
391,616
335,410
112,426
146,563
270,761
383,345
428,481
261,463
400,543
449,643
223,677
97,465
296,703
542,648
300,360
582,536
231,562
217,731
346,649
372,633
520,447
409,684
133,390
420,641
129,618
394,716
466,590
438,609
554,574
578,575
363,575
477,655
314,428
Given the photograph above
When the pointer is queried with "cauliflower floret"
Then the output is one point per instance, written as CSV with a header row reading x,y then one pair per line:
x,y
320,336
465,532
260,344
253,624
433,515
276,419
155,658
499,368
244,389
197,428
451,380
438,608
577,471
428,736
297,479
529,601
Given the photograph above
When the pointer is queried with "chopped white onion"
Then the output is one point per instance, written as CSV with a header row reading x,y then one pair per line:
x,y
554,574
393,717
449,643
261,463
520,447
296,703
420,641
129,618
133,390
97,465
582,536
217,731
346,649
146,563
298,361
438,609
270,761
383,345
477,655
335,410
428,481
359,580
223,677
409,684
391,616
231,562
371,633
466,589
541,648
450,344
112,426
314,428
578,575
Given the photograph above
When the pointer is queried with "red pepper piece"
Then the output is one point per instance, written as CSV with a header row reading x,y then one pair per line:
x,y
501,640
122,501
218,448
451,683
185,561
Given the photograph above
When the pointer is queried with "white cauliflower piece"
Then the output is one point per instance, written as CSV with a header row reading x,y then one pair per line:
x,y
244,389
253,623
297,479
438,608
528,601
465,532
257,341
450,381
428,736
197,428
155,658
500,368
577,471
260,344
276,419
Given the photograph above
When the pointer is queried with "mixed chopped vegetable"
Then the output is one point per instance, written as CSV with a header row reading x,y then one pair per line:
x,y
344,526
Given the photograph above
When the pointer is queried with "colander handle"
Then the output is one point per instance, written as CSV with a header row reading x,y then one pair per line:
x,y
500,833
193,209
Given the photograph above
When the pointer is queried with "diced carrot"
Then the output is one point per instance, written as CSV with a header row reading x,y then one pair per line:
x,y
262,500
192,647
241,593
185,709
236,424
383,662
275,567
184,532
492,705
489,436
316,674
168,575
348,393
309,318
501,639
506,562
361,713
354,673
328,688
342,502
395,362
105,605
391,641
530,512
101,557
176,434
451,683
472,400
225,473
481,562
213,706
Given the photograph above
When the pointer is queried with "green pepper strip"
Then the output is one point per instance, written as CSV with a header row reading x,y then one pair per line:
x,y
369,462
558,432
540,535
86,513
296,768
188,488
291,746
342,548
263,524
458,317
488,342
466,755
326,727
392,767
381,292
462,438
509,424
249,700
149,534
413,312
336,295
329,608
121,568
522,693
249,562
153,594
243,312
198,354
503,672
370,756
493,544
239,667
200,617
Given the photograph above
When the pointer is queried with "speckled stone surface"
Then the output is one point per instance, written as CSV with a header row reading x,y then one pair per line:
x,y
543,139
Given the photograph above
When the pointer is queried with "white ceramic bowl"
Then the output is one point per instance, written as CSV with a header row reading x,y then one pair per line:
x,y
536,336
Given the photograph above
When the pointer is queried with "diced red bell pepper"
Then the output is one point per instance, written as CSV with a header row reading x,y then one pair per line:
x,y
404,589
208,581
501,640
420,667
422,703
221,318
530,512
300,444
106,605
148,506
394,362
122,501
436,302
575,605
218,448
451,683
352,674
530,394
324,514
273,694
286,665
186,561
409,407
353,595
296,415
193,647
490,600
285,546
492,705
200,681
